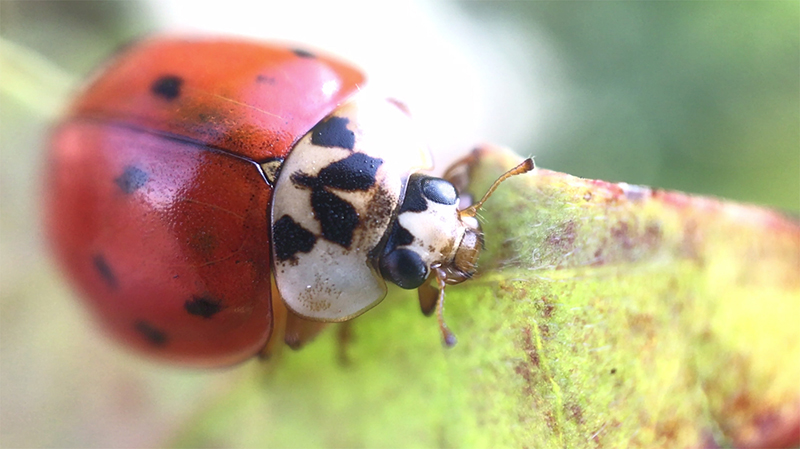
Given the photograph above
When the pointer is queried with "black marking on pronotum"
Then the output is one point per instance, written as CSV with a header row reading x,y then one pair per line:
x,y
102,267
131,179
152,334
355,172
439,191
303,53
338,219
290,238
167,87
333,132
204,306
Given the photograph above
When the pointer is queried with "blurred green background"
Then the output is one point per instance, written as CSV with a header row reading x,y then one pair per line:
x,y
702,97
696,96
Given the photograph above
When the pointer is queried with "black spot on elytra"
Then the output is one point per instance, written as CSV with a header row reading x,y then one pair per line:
x,y
265,79
131,179
414,200
404,268
152,334
303,53
102,267
167,87
439,191
290,238
337,218
303,180
204,306
333,132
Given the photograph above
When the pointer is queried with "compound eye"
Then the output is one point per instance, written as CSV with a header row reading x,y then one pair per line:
x,y
404,268
439,191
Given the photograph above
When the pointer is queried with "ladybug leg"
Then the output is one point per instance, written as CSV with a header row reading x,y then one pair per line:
x,y
279,313
428,297
344,335
300,331
448,338
288,327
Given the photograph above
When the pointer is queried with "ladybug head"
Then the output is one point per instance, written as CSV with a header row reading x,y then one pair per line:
x,y
431,236
430,233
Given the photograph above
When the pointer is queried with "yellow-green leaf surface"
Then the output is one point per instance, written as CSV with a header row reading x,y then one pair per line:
x,y
605,315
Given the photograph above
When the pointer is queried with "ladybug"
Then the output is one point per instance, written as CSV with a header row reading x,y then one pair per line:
x,y
205,194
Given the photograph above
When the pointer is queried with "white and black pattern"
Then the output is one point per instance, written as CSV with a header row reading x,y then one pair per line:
x,y
427,232
337,217
334,200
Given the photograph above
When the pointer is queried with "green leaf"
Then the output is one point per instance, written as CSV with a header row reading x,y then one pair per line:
x,y
32,80
605,315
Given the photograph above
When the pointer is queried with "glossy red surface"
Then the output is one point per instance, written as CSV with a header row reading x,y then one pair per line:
x,y
154,205
247,98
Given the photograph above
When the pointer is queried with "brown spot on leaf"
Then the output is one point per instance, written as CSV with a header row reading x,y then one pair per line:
x,y
596,437
652,234
529,347
742,401
523,370
546,307
598,257
563,238
622,235
505,286
551,422
544,329
691,240
643,324
575,413
668,429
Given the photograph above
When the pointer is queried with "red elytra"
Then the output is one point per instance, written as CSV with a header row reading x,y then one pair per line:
x,y
155,203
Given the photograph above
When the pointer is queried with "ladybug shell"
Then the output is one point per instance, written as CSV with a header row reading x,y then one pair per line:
x,y
156,206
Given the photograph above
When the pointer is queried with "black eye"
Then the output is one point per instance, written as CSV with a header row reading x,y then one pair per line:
x,y
439,191
404,268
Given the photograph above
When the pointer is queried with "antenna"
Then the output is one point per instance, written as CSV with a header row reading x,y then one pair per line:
x,y
526,166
